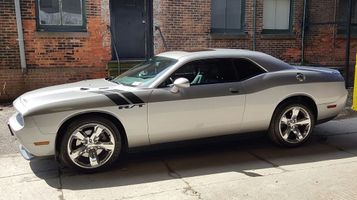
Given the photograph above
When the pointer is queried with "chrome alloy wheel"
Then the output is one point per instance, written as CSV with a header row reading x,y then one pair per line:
x,y
91,145
295,124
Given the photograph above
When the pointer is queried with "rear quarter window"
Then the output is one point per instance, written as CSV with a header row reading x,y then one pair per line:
x,y
247,69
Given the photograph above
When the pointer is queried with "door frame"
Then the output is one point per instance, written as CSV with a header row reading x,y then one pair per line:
x,y
149,33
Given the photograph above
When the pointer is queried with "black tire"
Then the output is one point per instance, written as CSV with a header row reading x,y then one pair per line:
x,y
73,126
275,127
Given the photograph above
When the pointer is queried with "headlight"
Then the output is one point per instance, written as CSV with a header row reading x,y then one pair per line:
x,y
20,119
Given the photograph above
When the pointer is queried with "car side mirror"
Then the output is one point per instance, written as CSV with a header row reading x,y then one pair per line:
x,y
180,83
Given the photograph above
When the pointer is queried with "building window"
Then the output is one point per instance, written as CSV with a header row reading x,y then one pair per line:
x,y
277,16
343,16
61,15
227,16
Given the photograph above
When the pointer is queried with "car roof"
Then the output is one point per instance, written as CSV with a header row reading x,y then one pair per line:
x,y
266,61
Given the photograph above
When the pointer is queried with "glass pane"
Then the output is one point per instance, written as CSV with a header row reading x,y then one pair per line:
x,y
72,12
209,71
269,14
217,71
144,74
49,13
282,14
354,12
276,14
234,14
342,15
246,69
218,14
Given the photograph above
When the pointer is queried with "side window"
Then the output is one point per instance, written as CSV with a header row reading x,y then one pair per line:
x,y
246,69
208,71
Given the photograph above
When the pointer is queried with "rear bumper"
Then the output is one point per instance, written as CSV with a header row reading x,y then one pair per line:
x,y
326,113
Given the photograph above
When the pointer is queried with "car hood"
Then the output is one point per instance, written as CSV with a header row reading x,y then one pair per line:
x,y
70,96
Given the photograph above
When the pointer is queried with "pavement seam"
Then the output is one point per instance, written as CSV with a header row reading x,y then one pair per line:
x,y
336,134
267,161
28,173
275,174
60,189
337,147
188,190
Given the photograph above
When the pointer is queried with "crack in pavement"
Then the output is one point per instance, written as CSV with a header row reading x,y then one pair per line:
x,y
144,195
188,190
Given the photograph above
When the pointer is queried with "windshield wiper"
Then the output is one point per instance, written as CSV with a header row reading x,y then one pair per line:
x,y
109,78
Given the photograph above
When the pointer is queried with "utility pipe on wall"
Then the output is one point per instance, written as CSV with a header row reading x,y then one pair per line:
x,y
348,43
303,33
20,35
254,24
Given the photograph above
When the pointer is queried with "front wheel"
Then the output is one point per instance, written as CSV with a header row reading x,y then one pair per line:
x,y
90,144
292,124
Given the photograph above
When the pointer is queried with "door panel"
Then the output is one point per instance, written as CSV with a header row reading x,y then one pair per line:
x,y
195,112
128,23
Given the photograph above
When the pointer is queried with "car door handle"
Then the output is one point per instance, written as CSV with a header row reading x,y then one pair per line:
x,y
233,90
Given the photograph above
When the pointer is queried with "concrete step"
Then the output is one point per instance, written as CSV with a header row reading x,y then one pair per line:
x,y
114,68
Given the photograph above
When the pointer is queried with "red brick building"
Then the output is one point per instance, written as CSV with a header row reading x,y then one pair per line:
x,y
71,40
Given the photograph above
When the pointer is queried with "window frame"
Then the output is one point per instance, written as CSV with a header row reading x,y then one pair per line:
x,y
61,28
230,31
282,31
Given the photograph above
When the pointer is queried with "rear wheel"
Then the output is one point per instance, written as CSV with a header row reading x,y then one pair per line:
x,y
90,144
292,124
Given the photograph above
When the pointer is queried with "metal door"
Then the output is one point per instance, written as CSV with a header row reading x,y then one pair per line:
x,y
128,29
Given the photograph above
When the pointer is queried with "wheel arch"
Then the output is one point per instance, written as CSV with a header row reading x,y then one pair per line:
x,y
106,115
300,98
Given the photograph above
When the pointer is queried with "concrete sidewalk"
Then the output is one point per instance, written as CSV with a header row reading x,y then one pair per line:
x,y
253,168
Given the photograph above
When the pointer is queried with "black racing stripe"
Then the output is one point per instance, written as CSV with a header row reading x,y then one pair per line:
x,y
132,97
116,98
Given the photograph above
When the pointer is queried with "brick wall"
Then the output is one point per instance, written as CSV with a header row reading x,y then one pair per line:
x,y
9,49
186,24
324,46
52,58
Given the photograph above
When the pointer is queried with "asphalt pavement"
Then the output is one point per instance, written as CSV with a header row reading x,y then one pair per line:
x,y
237,167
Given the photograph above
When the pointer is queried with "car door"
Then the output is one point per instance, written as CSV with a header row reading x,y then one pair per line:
x,y
213,104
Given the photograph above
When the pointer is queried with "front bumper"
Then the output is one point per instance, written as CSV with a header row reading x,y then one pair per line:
x,y
23,151
27,155
27,134
12,133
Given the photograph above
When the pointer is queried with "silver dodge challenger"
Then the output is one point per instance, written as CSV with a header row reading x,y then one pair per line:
x,y
175,96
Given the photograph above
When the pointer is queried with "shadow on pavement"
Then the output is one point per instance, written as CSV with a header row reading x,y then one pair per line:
x,y
240,154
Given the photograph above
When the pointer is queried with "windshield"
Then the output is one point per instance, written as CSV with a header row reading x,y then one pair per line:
x,y
144,74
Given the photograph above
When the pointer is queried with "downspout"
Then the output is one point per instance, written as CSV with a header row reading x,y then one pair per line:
x,y
348,43
254,24
303,33
20,36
